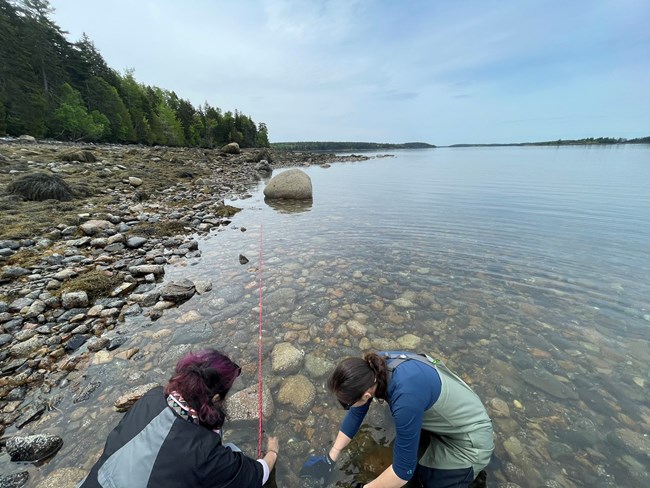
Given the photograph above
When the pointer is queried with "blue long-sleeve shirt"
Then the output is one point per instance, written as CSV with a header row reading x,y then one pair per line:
x,y
413,388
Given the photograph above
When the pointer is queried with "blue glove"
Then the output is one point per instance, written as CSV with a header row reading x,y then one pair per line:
x,y
318,467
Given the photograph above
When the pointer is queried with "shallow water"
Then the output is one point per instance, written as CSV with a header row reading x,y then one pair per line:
x,y
505,262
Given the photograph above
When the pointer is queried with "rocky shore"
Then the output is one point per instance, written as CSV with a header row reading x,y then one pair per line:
x,y
73,268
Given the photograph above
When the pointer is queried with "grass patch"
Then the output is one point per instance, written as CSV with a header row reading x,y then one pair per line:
x,y
25,258
96,284
226,210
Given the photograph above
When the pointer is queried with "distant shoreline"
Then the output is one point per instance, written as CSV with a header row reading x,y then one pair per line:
x,y
342,146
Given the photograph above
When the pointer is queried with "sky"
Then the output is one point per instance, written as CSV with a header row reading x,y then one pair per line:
x,y
442,72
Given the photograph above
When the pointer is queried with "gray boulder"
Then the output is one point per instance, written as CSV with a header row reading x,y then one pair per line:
x,y
232,148
263,166
293,184
178,291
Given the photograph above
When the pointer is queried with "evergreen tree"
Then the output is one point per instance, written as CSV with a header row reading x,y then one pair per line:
x,y
262,136
104,98
71,120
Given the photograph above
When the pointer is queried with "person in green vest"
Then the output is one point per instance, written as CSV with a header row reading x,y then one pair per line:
x,y
430,405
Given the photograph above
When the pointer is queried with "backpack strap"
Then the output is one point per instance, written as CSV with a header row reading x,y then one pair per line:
x,y
394,359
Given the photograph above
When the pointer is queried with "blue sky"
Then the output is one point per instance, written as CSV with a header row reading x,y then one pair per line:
x,y
443,72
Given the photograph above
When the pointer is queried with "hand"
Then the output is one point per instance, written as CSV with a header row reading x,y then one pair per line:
x,y
272,445
318,467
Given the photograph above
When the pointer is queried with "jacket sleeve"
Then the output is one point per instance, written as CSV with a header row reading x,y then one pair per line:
x,y
231,469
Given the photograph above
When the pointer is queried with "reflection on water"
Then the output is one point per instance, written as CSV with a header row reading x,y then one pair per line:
x,y
289,206
526,269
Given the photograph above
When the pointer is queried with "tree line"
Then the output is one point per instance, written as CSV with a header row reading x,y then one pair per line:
x,y
566,142
50,87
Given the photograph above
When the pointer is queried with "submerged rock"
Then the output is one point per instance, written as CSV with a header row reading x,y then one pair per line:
x,y
298,393
243,405
545,381
15,480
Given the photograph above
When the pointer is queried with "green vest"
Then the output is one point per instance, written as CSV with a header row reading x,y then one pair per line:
x,y
459,427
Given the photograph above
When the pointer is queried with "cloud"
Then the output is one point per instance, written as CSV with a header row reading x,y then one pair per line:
x,y
433,71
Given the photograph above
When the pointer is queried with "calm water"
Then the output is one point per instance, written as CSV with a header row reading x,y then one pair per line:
x,y
526,269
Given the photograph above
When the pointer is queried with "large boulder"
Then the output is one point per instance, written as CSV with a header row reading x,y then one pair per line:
x,y
293,184
232,148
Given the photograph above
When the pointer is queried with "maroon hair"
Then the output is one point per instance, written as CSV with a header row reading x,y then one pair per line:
x,y
198,378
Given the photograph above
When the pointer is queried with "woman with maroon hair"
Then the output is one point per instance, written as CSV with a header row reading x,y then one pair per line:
x,y
172,437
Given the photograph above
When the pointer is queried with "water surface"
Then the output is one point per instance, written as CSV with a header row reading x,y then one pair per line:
x,y
525,268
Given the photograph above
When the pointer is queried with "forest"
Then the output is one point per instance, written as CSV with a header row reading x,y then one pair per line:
x,y
57,89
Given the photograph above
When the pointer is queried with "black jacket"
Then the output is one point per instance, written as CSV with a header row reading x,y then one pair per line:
x,y
153,447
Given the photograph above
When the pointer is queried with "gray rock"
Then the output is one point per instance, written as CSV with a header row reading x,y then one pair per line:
x,y
263,166
243,405
24,349
96,227
178,291
75,342
13,245
33,448
145,269
15,480
5,339
12,272
202,286
232,148
293,184
20,303
285,358
74,299
135,242
318,367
